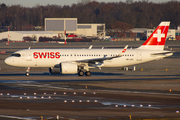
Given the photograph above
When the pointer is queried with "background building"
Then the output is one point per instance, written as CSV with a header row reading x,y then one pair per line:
x,y
178,33
57,27
26,35
71,26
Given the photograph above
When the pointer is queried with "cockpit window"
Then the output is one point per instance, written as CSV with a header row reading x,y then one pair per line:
x,y
16,55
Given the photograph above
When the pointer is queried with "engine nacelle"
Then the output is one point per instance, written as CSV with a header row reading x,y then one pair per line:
x,y
68,68
54,70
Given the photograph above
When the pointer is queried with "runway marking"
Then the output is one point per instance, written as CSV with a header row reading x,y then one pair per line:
x,y
71,94
80,100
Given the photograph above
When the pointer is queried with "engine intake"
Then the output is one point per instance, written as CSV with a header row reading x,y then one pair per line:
x,y
68,68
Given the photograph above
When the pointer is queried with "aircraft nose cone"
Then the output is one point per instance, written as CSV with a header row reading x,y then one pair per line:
x,y
7,61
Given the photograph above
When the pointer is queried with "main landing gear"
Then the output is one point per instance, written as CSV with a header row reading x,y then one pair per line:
x,y
81,73
27,71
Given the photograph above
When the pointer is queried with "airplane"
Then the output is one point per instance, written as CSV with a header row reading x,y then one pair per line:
x,y
73,61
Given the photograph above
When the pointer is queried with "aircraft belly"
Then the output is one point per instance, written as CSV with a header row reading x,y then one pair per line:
x,y
44,63
118,62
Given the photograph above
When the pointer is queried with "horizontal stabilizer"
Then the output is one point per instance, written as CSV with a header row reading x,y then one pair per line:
x,y
162,54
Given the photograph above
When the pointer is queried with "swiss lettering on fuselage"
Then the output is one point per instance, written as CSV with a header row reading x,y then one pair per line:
x,y
46,55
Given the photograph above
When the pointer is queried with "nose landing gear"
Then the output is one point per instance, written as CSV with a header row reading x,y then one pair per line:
x,y
27,71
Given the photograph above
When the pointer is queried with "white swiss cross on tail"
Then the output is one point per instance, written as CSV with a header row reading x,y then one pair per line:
x,y
157,39
159,35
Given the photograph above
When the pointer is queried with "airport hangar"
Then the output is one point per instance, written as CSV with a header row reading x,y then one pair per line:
x,y
56,27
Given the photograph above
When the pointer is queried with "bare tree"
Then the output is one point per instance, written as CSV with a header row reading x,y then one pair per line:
x,y
121,28
138,14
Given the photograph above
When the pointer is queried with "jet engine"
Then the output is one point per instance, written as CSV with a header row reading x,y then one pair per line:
x,y
68,68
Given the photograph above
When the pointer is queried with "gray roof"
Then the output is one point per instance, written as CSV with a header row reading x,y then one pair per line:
x,y
34,32
139,30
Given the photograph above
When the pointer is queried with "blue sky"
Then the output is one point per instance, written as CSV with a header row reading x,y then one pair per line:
x,y
31,3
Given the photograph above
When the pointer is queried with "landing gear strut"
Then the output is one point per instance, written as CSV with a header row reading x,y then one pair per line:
x,y
27,71
50,71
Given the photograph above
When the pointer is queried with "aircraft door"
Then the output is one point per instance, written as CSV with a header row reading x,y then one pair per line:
x,y
28,56
139,56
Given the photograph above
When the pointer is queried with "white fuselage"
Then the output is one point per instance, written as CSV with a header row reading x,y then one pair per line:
x,y
53,57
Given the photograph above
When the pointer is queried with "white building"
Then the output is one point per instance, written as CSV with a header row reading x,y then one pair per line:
x,y
71,26
93,30
18,35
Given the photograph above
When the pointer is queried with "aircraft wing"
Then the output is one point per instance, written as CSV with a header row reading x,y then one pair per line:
x,y
104,58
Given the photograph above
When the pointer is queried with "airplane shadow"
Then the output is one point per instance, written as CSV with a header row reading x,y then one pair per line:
x,y
58,74
92,74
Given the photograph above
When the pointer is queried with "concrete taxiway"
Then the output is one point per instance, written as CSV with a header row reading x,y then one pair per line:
x,y
112,99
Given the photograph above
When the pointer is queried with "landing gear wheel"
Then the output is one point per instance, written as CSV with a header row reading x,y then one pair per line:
x,y
80,73
27,74
88,73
